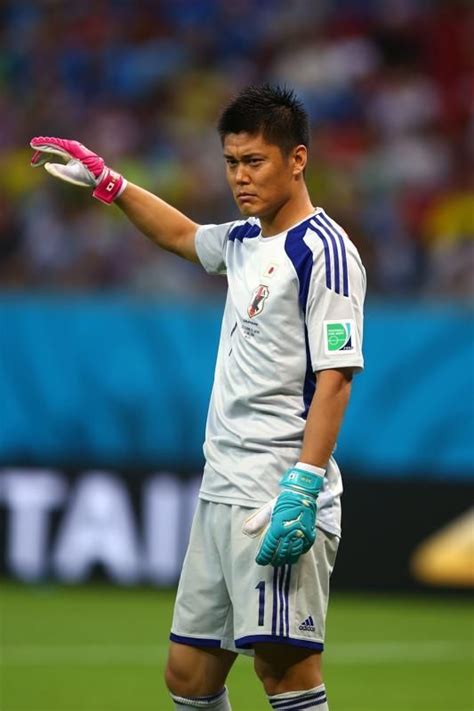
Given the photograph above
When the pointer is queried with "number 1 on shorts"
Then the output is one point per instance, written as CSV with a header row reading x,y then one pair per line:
x,y
261,602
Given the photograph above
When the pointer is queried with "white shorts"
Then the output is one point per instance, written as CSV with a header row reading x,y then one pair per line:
x,y
226,600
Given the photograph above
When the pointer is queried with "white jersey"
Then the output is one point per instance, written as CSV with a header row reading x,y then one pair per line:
x,y
294,307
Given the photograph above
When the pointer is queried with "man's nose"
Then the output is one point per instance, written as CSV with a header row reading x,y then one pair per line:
x,y
241,175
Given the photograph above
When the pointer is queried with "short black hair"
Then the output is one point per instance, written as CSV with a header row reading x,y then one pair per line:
x,y
272,110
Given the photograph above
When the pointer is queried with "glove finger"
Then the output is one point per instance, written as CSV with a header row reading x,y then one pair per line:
x,y
306,545
266,549
38,158
308,541
74,172
43,152
295,551
288,551
281,553
264,556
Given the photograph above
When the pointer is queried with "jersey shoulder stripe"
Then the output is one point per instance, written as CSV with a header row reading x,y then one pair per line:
x,y
244,230
301,257
328,253
335,252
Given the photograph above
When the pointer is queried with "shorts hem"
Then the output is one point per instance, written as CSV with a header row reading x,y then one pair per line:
x,y
195,641
250,640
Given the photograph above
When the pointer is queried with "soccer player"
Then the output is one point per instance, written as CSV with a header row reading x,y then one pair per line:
x,y
267,525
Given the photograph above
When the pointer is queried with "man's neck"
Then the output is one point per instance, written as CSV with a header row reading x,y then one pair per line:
x,y
288,215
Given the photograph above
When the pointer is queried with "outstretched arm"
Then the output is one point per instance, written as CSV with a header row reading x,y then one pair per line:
x,y
160,222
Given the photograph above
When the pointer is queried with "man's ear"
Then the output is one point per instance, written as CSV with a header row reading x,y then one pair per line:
x,y
300,159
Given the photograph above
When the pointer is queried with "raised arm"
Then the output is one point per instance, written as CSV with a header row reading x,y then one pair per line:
x,y
160,222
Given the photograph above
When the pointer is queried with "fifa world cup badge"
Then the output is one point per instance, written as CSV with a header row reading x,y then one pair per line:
x,y
258,300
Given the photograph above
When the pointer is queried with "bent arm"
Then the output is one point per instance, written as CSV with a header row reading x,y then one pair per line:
x,y
163,224
325,415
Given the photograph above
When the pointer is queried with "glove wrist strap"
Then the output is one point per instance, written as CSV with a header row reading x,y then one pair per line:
x,y
303,480
310,468
109,186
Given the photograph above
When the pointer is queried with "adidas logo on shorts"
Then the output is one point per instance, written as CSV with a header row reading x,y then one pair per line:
x,y
307,625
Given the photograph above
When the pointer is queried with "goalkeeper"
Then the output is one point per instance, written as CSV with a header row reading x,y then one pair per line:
x,y
267,525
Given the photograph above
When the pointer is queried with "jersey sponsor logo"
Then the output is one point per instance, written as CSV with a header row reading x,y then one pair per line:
x,y
339,336
307,625
258,300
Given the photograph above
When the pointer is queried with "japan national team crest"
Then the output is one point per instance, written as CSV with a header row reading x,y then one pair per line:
x,y
258,300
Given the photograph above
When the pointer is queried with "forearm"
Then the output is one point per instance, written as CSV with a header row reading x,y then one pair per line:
x,y
325,416
160,222
289,520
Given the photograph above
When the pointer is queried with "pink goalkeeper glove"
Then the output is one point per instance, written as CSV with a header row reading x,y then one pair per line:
x,y
81,167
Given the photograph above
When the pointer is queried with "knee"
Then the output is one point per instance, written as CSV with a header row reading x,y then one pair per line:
x,y
179,680
191,671
270,678
282,669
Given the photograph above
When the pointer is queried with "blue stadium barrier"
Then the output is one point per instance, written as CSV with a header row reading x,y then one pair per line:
x,y
116,381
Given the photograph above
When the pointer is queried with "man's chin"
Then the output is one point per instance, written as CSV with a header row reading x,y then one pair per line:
x,y
248,210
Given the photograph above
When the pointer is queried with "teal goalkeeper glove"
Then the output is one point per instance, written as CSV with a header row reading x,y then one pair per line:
x,y
291,530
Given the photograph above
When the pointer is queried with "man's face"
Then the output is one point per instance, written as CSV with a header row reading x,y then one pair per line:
x,y
260,176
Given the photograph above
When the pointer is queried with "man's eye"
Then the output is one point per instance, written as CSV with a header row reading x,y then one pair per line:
x,y
255,161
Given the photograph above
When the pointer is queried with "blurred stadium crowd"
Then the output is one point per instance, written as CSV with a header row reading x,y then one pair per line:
x,y
390,91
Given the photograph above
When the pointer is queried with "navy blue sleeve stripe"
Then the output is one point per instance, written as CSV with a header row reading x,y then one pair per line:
x,y
301,257
323,221
330,247
327,254
323,234
245,231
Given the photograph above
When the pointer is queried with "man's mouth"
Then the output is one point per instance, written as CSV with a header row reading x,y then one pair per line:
x,y
243,197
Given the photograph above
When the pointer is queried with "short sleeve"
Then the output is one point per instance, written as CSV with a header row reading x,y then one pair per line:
x,y
334,312
210,242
